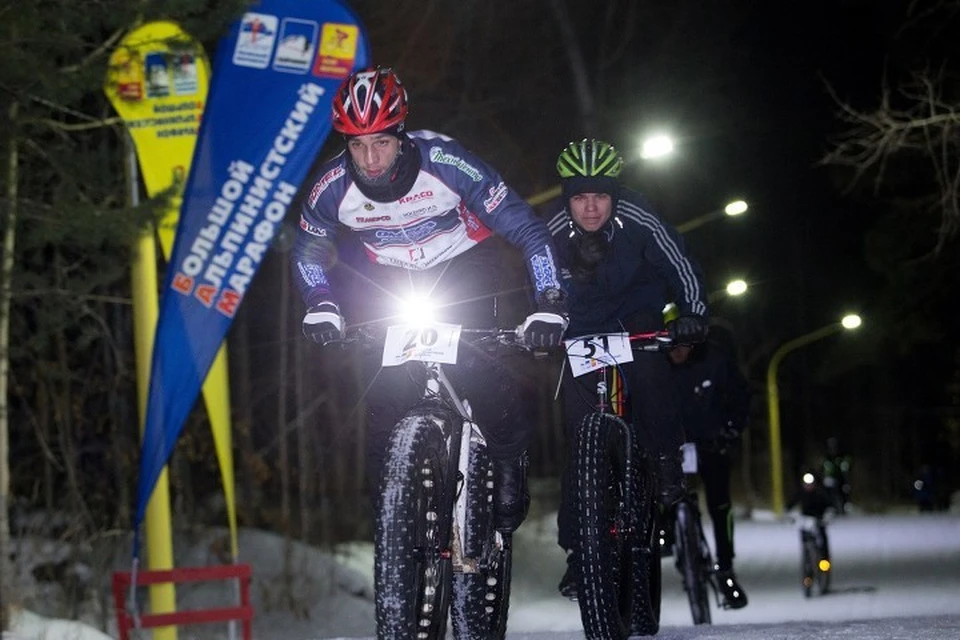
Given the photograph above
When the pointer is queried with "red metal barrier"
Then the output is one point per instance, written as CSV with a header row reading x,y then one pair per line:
x,y
243,613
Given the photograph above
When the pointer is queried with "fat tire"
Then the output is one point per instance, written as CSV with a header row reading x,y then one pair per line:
x,y
481,599
691,563
614,550
412,564
646,621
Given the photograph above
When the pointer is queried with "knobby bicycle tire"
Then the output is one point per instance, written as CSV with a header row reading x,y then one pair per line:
x,y
412,564
690,559
614,590
481,593
808,563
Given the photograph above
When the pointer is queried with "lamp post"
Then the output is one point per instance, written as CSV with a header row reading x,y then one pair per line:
x,y
851,321
735,208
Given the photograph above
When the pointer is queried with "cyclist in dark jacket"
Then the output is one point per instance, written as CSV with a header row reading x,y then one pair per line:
x,y
621,264
715,398
814,501
424,210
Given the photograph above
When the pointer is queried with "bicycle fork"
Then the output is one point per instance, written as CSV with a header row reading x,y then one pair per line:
x,y
460,442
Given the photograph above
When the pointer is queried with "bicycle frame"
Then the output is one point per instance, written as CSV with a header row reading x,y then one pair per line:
x,y
435,529
438,385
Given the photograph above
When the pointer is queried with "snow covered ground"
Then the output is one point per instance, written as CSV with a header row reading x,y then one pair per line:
x,y
896,576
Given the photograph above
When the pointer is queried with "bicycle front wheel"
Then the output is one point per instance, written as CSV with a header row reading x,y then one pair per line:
x,y
614,590
690,559
824,570
412,565
481,587
808,564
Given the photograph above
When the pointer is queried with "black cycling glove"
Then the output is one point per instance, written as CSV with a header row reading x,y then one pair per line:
x,y
688,329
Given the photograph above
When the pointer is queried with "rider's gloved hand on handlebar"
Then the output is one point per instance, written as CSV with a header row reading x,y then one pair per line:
x,y
688,329
323,323
545,327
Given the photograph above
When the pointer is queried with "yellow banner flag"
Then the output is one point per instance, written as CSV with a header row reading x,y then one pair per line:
x,y
157,81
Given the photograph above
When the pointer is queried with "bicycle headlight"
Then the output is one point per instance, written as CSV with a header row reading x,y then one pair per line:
x,y
416,310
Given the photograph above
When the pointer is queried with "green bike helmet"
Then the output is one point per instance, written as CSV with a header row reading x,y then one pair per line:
x,y
590,166
589,158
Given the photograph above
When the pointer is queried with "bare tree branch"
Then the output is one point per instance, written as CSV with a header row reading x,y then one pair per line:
x,y
919,121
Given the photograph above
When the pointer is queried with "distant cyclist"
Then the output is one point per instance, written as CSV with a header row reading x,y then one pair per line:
x,y
621,264
814,501
836,474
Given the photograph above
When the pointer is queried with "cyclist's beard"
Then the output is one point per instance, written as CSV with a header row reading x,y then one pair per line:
x,y
384,178
396,181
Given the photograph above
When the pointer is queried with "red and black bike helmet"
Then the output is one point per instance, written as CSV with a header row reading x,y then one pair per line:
x,y
370,101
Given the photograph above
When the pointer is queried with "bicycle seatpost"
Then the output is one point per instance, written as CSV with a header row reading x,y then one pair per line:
x,y
602,391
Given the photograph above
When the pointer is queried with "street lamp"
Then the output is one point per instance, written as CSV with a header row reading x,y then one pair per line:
x,y
736,287
735,208
850,321
654,147
733,289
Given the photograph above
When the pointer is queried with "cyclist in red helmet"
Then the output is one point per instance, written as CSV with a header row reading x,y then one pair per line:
x,y
424,210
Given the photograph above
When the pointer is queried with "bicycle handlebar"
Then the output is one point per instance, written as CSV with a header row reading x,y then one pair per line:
x,y
371,334
651,341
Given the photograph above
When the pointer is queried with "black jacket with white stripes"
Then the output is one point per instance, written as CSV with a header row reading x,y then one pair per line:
x,y
644,267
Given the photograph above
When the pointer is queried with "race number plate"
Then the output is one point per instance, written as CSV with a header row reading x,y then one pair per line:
x,y
594,352
435,342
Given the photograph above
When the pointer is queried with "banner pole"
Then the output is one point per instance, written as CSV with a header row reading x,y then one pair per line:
x,y
157,524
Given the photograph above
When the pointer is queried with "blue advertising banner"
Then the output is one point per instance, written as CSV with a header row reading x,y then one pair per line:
x,y
267,115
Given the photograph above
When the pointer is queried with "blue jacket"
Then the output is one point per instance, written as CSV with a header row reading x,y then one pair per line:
x,y
456,202
645,267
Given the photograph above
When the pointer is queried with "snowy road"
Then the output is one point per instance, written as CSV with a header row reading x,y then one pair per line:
x,y
896,577
895,566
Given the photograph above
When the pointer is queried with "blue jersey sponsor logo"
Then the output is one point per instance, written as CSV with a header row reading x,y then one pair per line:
x,y
411,235
544,273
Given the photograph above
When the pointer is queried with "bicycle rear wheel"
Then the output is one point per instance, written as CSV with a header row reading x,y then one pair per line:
x,y
690,559
412,565
481,588
614,590
823,571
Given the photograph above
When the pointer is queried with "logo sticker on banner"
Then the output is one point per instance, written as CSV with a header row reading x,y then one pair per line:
x,y
298,43
184,71
258,32
264,123
338,47
157,82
